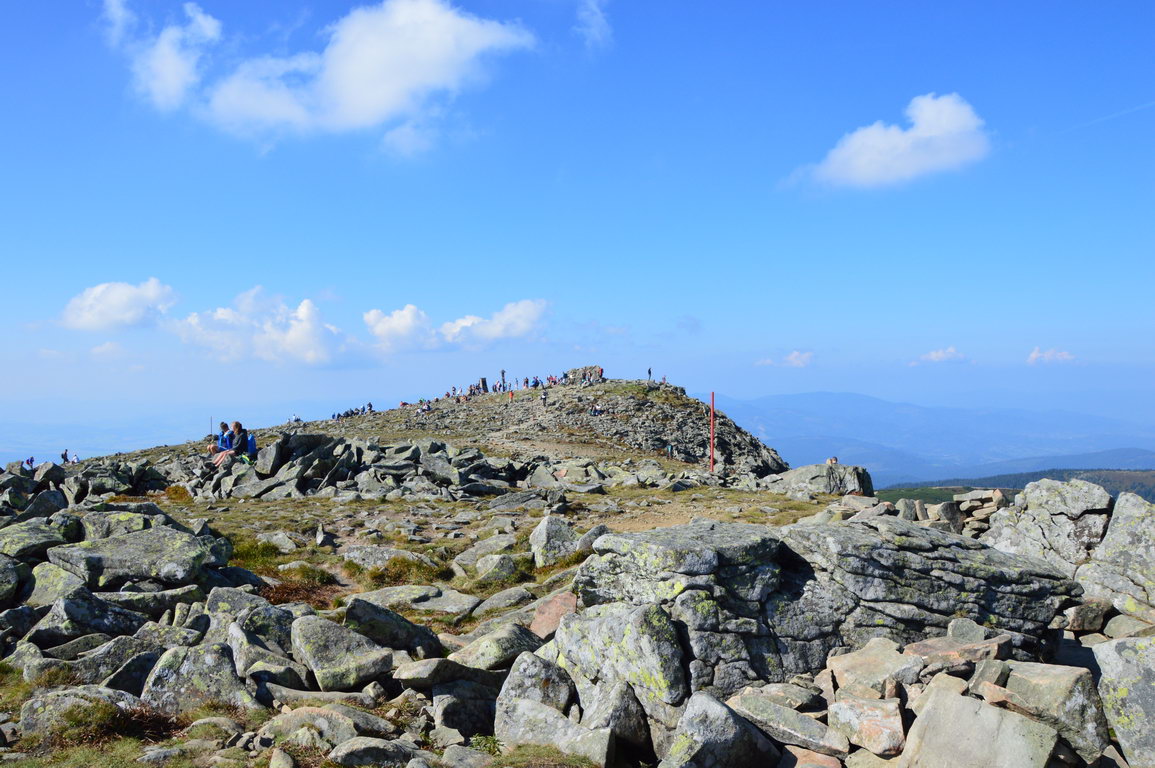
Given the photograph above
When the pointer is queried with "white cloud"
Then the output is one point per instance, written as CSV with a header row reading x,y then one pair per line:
x,y
109,350
382,64
118,305
265,328
514,320
592,24
405,327
411,327
1039,355
118,20
945,355
166,68
944,134
796,359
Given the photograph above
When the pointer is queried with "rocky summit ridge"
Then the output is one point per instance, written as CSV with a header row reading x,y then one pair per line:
x,y
467,586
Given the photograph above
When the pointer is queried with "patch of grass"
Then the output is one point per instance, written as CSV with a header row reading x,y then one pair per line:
x,y
250,719
14,691
396,572
304,757
117,753
100,722
178,494
527,756
487,744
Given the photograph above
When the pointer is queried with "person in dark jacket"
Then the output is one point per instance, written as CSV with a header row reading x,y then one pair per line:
x,y
238,442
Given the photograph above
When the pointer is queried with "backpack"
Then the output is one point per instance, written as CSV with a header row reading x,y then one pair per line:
x,y
252,446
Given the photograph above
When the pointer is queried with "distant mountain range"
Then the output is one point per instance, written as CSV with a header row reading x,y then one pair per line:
x,y
1116,481
900,443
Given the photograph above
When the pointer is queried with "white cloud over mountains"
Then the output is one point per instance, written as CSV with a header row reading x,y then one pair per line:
x,y
382,66
944,355
1045,356
944,134
592,24
110,306
411,327
263,327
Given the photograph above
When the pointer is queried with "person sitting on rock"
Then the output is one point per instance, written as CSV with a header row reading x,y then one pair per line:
x,y
238,442
224,441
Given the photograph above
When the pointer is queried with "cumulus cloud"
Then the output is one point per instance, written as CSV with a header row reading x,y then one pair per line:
x,y
592,24
944,134
945,355
118,20
410,326
118,305
165,68
265,328
514,320
401,328
1045,356
796,359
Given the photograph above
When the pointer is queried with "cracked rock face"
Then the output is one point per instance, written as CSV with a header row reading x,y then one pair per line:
x,y
1061,523
716,606
1122,568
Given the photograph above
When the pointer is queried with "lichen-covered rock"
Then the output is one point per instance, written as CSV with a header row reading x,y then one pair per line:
x,y
1122,568
339,658
1064,698
185,679
1127,689
711,735
164,554
787,726
389,628
615,706
50,583
334,727
82,613
42,713
464,706
1061,523
757,603
30,540
12,574
497,649
531,722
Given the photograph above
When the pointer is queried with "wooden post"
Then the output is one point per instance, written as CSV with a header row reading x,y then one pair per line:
x,y
711,431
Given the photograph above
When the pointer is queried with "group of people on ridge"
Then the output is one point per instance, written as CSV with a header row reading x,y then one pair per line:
x,y
233,443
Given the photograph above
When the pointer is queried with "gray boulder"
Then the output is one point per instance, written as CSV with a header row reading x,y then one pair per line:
x,y
389,628
836,479
1122,566
498,648
711,735
30,540
42,713
531,722
82,613
13,573
185,679
163,554
1127,689
339,658
961,732
1061,523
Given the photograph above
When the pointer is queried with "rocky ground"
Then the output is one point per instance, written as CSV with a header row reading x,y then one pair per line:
x,y
496,594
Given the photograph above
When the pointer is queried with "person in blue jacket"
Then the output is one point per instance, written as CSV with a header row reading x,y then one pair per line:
x,y
224,440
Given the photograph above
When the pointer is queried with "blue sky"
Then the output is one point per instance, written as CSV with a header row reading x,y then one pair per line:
x,y
262,208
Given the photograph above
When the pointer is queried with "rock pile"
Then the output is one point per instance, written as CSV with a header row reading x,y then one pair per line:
x,y
967,514
299,465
